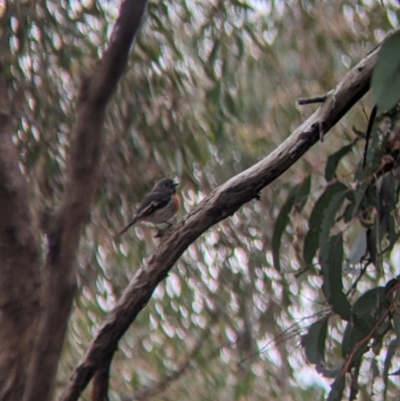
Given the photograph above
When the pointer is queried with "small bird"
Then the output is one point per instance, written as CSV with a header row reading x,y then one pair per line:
x,y
158,206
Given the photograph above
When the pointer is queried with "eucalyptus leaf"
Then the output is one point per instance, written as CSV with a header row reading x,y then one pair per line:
x,y
331,266
391,351
359,248
334,159
311,240
297,195
314,342
337,389
385,82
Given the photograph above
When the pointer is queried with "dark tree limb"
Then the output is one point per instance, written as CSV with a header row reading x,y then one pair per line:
x,y
19,245
19,261
101,380
220,204
63,229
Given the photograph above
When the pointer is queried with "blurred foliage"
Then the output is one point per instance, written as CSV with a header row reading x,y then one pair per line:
x,y
211,88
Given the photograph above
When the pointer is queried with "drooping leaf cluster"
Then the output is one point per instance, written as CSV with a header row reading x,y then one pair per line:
x,y
352,244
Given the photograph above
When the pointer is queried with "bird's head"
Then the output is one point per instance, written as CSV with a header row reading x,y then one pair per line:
x,y
166,185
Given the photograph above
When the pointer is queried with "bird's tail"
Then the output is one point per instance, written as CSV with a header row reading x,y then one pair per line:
x,y
135,219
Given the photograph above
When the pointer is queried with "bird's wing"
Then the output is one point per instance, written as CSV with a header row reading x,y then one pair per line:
x,y
151,202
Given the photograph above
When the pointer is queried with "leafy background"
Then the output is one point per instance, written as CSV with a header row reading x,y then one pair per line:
x,y
265,303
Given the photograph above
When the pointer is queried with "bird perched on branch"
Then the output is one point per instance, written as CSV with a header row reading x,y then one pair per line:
x,y
158,206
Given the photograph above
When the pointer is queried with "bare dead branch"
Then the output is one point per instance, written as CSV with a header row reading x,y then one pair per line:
x,y
310,100
64,228
220,204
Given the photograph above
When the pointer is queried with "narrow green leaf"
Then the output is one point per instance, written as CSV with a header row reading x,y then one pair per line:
x,y
385,82
214,53
369,302
297,195
337,389
359,198
331,266
372,242
391,351
387,193
303,192
230,103
391,231
329,218
311,240
333,161
369,308
352,337
314,342
280,226
347,215
375,368
359,248
396,316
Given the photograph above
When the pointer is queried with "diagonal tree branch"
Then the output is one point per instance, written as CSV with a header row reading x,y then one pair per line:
x,y
221,203
64,228
100,382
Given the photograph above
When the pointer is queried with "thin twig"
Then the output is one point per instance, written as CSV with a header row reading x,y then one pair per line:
x,y
310,100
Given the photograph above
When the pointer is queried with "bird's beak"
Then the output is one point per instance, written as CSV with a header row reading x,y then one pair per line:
x,y
175,184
